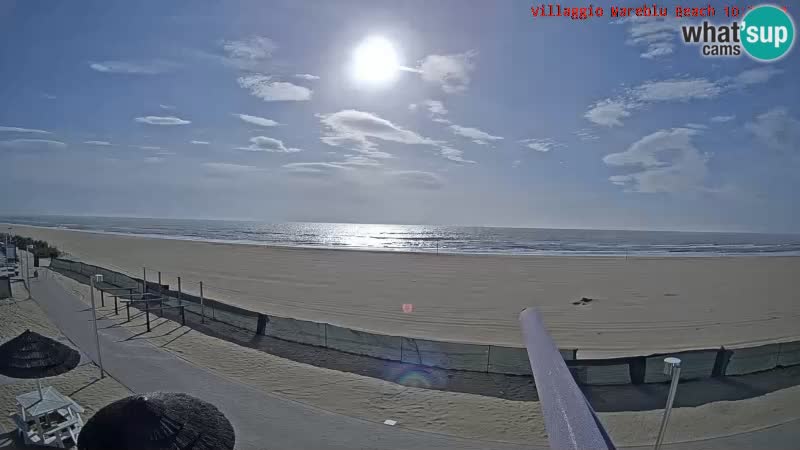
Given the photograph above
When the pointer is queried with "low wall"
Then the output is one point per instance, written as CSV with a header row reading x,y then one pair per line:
x,y
452,355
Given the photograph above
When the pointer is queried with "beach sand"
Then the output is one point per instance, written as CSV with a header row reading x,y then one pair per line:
x,y
641,305
456,414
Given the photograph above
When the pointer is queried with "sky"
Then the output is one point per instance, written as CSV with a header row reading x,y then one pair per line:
x,y
267,111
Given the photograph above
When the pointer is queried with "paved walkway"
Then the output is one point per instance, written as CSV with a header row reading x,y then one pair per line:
x,y
263,420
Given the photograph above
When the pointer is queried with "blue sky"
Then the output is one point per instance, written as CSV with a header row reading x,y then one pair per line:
x,y
250,110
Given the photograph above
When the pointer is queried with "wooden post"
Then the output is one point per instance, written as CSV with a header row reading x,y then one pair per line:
x,y
202,305
102,298
128,308
116,309
183,315
147,313
144,280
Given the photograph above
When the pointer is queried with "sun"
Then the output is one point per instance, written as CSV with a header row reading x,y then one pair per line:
x,y
375,61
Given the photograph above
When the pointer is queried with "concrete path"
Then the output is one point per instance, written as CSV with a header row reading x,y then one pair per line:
x,y
263,420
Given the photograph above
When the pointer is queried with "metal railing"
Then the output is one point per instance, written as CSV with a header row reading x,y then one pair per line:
x,y
569,418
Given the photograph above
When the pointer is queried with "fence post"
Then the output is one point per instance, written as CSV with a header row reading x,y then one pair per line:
x,y
144,280
202,305
183,315
179,290
261,326
147,313
116,309
128,308
102,298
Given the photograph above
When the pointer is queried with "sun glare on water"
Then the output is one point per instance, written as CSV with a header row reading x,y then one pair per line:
x,y
375,61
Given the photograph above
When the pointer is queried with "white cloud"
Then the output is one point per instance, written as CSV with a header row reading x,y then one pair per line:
x,y
264,88
359,130
667,161
158,120
412,107
608,113
315,167
416,179
777,129
255,120
656,35
228,169
99,143
696,126
722,119
23,130
250,54
586,134
542,145
33,144
148,147
200,142
48,96
154,160
516,163
451,72
435,107
251,49
268,144
477,136
167,107
359,161
677,90
454,155
306,76
755,76
133,68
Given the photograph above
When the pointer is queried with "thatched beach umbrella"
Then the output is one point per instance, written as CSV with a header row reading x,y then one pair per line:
x,y
160,420
31,355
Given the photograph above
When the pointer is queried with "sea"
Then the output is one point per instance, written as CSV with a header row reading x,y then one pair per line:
x,y
434,238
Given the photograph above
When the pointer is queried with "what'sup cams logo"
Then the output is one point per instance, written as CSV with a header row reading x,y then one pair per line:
x,y
766,33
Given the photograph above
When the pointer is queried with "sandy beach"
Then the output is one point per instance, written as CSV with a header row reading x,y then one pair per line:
x,y
639,305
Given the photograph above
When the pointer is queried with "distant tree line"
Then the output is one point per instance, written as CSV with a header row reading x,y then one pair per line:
x,y
40,248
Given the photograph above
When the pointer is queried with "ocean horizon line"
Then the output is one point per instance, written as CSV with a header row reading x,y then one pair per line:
x,y
431,238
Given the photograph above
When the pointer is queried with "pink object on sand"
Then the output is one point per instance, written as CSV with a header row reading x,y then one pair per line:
x,y
408,308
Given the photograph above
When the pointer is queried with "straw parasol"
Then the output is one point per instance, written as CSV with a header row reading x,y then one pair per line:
x,y
159,420
31,355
